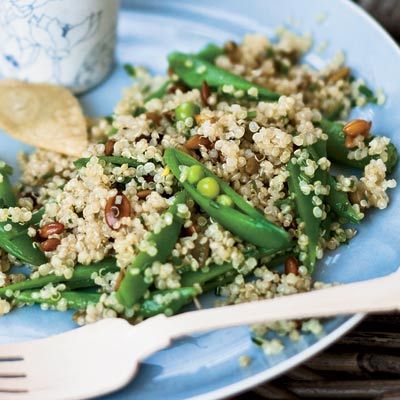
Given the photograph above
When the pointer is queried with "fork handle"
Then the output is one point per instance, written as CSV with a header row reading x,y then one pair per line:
x,y
376,295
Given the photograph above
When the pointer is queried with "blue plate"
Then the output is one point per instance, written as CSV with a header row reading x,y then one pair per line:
x,y
206,366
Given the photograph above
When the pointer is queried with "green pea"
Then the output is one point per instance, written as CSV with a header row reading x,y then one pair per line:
x,y
186,110
208,187
195,173
225,200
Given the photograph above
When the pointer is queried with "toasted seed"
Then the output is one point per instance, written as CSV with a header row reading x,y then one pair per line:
x,y
50,244
196,141
357,127
201,251
359,195
232,51
252,166
341,73
190,230
117,207
53,228
205,93
349,142
291,266
109,148
154,117
142,194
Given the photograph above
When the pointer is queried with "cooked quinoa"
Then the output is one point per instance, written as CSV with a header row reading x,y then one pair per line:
x,y
246,142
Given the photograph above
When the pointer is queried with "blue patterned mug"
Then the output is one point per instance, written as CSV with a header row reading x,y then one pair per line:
x,y
66,42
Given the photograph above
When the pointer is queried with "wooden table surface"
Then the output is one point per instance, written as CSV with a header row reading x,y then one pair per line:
x,y
365,364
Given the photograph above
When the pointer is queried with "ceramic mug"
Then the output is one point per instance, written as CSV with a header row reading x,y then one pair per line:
x,y
66,42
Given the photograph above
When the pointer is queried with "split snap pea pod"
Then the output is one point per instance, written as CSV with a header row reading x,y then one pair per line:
x,y
116,160
338,152
74,299
134,285
253,229
7,197
340,204
193,71
239,201
82,277
305,212
168,301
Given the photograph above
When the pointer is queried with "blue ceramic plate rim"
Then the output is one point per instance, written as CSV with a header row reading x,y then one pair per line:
x,y
351,321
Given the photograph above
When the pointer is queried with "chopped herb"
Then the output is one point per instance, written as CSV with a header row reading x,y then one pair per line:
x,y
138,111
112,132
130,70
368,93
251,114
270,52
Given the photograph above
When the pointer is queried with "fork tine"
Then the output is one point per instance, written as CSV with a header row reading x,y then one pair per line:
x,y
12,368
21,395
8,385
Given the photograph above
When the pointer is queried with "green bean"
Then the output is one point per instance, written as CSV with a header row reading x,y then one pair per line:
x,y
305,211
252,228
7,197
167,301
82,277
338,152
340,204
134,285
74,300
116,160
193,71
210,52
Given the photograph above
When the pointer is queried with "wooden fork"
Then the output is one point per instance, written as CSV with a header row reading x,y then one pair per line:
x,y
103,357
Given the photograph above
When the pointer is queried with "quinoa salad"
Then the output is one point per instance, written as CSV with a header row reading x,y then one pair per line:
x,y
207,179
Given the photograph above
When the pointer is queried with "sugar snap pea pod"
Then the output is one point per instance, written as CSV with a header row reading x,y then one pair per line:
x,y
7,197
210,52
193,71
116,160
168,302
338,152
258,231
82,277
74,300
340,204
14,240
133,285
239,201
305,207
